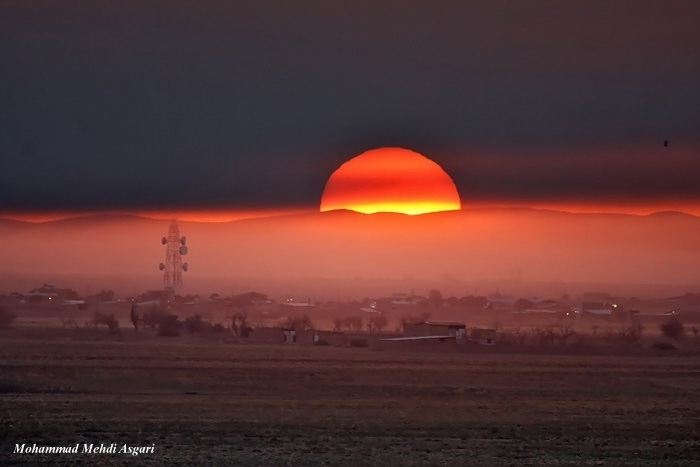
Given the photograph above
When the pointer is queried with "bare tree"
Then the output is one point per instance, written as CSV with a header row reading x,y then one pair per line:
x,y
628,335
672,328
134,316
563,332
544,336
378,323
108,320
521,336
239,324
354,323
299,323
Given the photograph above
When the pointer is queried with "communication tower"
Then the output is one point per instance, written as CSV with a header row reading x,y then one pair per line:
x,y
175,248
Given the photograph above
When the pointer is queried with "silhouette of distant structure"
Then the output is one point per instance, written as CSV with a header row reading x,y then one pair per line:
x,y
49,293
175,248
435,329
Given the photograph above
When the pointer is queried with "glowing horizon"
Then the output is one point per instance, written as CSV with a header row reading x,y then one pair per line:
x,y
186,215
230,215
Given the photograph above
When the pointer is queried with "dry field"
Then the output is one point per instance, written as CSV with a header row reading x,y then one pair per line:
x,y
241,404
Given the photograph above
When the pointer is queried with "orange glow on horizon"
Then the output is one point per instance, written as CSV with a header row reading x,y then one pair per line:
x,y
213,215
636,208
390,180
187,215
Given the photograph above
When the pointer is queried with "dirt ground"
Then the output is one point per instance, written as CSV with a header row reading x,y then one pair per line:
x,y
212,403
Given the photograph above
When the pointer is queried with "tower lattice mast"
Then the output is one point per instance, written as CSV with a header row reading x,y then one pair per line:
x,y
175,248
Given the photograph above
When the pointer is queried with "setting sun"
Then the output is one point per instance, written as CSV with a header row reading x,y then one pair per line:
x,y
390,180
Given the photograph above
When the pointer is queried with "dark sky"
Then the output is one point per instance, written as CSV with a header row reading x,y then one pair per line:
x,y
118,104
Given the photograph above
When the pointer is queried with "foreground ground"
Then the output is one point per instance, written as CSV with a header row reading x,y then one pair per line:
x,y
212,402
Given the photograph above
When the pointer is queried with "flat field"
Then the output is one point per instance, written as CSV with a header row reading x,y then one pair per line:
x,y
215,403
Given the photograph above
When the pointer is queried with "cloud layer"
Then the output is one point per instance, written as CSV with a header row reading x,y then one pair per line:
x,y
220,104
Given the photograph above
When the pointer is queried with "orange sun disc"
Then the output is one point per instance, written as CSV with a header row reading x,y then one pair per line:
x,y
390,180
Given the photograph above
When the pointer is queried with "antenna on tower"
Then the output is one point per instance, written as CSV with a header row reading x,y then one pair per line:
x,y
174,250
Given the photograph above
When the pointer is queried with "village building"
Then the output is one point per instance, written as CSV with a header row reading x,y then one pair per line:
x,y
435,329
546,308
598,309
48,293
280,335
498,302
291,303
483,336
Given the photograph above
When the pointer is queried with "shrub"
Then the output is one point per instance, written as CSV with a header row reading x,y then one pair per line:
x,y
672,328
240,326
152,317
663,346
108,320
299,323
6,317
358,342
378,323
218,328
194,324
354,323
631,334
169,326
